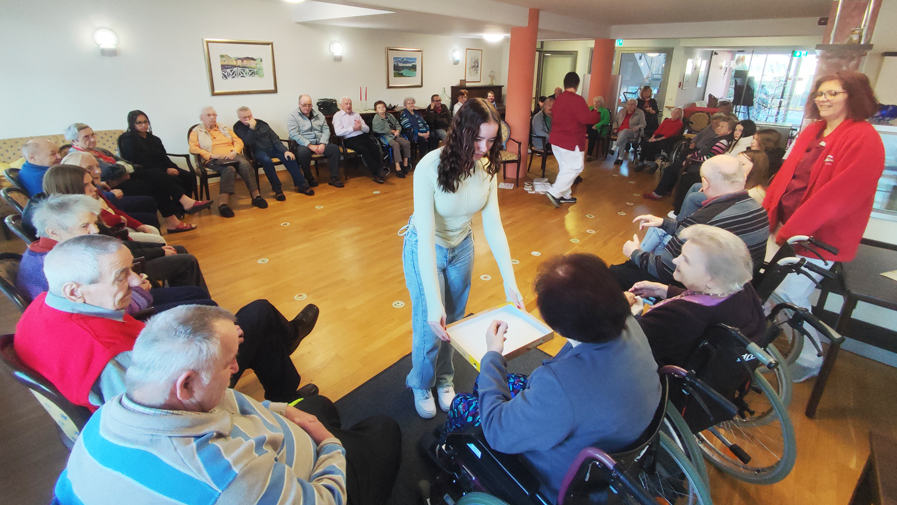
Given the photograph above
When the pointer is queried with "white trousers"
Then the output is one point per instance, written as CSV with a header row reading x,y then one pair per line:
x,y
570,165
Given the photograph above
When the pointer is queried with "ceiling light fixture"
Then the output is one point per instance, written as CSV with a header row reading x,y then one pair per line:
x,y
652,55
107,40
293,1
336,50
493,37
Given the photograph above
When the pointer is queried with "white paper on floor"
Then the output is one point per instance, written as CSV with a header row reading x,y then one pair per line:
x,y
506,185
541,185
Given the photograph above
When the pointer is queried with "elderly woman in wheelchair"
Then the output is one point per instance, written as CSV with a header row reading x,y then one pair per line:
x,y
601,389
715,267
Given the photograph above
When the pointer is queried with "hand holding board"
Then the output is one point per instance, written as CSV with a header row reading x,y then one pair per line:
x,y
525,332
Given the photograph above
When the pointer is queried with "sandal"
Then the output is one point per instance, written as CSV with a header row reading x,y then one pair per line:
x,y
182,228
198,206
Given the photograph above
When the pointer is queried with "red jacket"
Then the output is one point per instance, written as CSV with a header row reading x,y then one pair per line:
x,y
71,350
570,118
113,218
669,128
838,201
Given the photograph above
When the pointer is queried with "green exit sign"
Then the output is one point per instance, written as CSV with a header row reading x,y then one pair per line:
x,y
799,54
619,42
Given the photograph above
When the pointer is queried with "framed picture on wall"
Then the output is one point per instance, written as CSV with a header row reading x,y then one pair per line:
x,y
404,67
240,67
473,65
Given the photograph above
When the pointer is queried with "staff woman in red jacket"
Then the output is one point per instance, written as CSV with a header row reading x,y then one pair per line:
x,y
826,187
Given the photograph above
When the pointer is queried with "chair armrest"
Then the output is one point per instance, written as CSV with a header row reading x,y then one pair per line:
x,y
518,145
186,158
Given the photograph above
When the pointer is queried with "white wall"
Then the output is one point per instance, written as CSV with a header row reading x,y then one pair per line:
x,y
718,80
60,77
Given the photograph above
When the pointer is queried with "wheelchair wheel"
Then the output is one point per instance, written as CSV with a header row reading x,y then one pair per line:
x,y
789,342
780,378
675,427
678,149
765,437
674,479
478,498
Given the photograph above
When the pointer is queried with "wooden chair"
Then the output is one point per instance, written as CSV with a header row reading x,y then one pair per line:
x,y
248,154
509,157
69,418
345,151
697,121
202,173
16,198
14,223
12,175
9,271
545,152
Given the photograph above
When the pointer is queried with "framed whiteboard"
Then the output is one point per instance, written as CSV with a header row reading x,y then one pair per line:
x,y
525,332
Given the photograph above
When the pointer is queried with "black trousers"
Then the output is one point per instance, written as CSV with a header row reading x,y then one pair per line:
x,y
156,182
424,146
629,273
331,152
650,150
373,451
266,337
369,150
181,269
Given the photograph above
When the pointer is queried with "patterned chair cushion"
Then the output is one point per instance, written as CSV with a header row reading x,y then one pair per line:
x,y
508,156
11,149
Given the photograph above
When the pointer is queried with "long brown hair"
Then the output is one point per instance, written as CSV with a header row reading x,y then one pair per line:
x,y
861,101
456,160
759,175
64,180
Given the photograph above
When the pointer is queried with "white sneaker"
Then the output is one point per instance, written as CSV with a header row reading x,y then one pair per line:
x,y
800,373
424,403
446,394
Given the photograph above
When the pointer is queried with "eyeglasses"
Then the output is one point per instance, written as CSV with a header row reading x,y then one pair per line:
x,y
142,122
829,95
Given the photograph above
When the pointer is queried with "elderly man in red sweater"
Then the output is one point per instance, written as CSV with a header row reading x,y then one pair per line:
x,y
570,119
78,336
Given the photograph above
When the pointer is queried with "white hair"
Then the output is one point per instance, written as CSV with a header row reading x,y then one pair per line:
x,y
178,340
632,100
600,99
34,146
728,259
724,170
204,109
343,99
71,133
78,260
75,157
61,212
407,98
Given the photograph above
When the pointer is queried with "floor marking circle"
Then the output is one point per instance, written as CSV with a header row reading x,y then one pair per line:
x,y
376,192
284,223
621,213
631,182
536,253
319,206
398,304
300,297
263,260
574,240
515,262
590,216
486,277
590,231
629,203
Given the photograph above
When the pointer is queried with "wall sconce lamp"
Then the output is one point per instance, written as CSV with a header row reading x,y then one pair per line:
x,y
107,40
336,50
456,56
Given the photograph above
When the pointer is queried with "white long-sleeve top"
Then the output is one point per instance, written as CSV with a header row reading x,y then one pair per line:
x,y
444,218
344,125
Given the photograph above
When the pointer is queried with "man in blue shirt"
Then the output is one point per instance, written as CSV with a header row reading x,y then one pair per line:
x,y
40,155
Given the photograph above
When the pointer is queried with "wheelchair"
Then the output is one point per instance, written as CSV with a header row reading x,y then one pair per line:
x,y
757,443
654,469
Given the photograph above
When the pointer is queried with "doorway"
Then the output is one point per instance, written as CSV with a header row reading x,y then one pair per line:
x,y
772,88
642,67
553,66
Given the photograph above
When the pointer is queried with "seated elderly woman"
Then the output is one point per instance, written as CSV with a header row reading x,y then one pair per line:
x,y
601,389
61,217
67,179
151,180
416,129
388,128
715,267
668,133
599,129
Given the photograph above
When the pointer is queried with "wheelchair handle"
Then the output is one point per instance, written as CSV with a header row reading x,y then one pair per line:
x,y
751,347
804,315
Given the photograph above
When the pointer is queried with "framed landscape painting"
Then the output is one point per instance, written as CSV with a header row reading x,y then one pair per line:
x,y
473,65
240,67
404,67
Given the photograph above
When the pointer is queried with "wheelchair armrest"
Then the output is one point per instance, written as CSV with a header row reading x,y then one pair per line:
x,y
698,389
612,473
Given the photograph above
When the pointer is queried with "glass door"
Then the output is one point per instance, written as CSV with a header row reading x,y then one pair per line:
x,y
553,66
772,88
638,68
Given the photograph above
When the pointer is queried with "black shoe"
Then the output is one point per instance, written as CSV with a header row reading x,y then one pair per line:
x,y
311,182
303,323
567,200
610,151
302,393
305,190
334,182
577,180
618,162
378,179
225,211
279,196
400,174
260,202
384,173
554,201
638,167
652,167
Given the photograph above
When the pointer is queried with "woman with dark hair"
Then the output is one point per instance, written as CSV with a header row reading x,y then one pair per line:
x,y
768,141
649,107
742,137
756,165
601,389
451,184
138,145
826,187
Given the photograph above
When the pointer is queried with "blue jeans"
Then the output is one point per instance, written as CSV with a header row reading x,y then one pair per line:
x,y
264,157
431,358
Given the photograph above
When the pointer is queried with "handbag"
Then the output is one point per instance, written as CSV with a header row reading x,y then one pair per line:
x,y
328,106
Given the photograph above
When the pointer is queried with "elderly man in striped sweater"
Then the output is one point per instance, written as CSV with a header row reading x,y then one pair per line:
x,y
180,435
728,206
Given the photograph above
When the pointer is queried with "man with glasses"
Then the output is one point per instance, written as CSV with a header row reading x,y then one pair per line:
x,y
309,129
439,117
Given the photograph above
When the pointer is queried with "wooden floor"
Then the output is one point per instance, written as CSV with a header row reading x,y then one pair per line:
x,y
346,257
